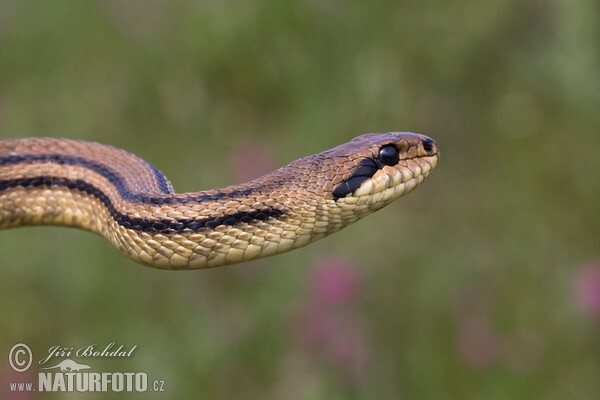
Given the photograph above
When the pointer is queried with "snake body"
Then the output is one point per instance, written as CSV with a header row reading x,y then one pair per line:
x,y
111,192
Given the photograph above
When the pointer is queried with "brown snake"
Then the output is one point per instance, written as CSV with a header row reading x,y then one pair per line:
x,y
118,195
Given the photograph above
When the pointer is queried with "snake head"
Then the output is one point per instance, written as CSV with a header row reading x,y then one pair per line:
x,y
375,169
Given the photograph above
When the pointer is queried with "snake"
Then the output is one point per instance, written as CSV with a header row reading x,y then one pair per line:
x,y
120,196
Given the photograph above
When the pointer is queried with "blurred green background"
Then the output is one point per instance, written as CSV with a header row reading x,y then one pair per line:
x,y
482,284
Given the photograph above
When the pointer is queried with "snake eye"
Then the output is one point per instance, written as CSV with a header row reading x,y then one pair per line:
x,y
388,155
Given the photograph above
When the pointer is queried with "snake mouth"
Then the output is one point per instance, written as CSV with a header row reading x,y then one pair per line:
x,y
407,173
392,182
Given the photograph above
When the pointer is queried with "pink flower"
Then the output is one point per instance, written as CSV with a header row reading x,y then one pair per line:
x,y
327,328
334,281
335,340
480,345
586,287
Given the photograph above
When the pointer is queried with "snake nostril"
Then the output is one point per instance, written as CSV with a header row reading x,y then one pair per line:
x,y
427,145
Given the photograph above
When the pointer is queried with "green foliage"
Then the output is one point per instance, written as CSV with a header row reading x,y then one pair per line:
x,y
466,285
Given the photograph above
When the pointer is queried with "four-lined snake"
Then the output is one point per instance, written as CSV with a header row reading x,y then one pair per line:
x,y
118,195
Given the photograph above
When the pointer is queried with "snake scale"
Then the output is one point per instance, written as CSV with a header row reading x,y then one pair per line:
x,y
111,192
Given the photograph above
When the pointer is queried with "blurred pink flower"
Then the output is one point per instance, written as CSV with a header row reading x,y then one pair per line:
x,y
334,281
333,339
478,343
250,160
586,287
327,328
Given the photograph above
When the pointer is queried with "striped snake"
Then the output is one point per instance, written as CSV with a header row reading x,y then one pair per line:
x,y
118,195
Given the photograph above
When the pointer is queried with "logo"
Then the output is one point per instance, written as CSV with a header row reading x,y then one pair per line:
x,y
70,375
20,357
69,366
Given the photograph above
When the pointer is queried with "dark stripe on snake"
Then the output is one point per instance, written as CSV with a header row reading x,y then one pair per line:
x,y
365,169
160,178
165,226
118,182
